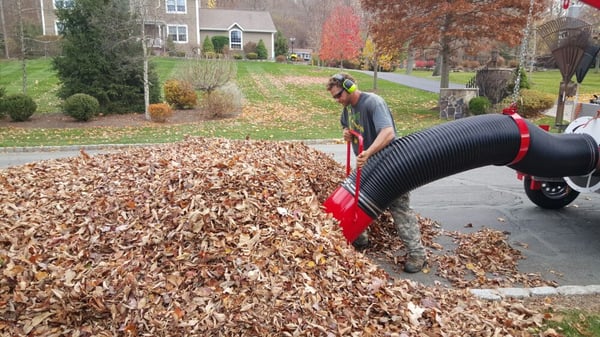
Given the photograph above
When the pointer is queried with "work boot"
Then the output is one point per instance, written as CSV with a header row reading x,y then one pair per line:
x,y
415,263
362,242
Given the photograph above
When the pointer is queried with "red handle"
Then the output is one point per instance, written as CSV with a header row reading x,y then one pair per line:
x,y
360,150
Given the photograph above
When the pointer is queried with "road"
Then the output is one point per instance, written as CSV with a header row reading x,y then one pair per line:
x,y
561,245
425,84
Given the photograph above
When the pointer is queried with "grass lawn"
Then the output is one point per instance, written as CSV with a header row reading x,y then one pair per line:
x,y
282,102
544,81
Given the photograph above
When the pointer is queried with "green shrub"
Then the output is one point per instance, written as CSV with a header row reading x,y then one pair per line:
x,y
180,94
531,103
219,43
2,93
207,46
252,56
261,50
479,105
159,112
82,107
18,106
523,82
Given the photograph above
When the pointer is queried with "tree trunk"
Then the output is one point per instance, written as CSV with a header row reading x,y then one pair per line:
x,y
143,15
375,71
445,62
6,51
410,61
22,39
436,68
146,85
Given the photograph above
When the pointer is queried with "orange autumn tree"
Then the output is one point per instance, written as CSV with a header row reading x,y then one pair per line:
x,y
340,36
448,25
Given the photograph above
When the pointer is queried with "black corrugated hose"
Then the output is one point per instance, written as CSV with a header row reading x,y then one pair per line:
x,y
464,144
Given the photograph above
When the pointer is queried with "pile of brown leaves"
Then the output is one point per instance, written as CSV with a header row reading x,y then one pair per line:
x,y
207,237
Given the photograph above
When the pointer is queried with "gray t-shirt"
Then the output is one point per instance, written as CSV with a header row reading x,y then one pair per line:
x,y
368,117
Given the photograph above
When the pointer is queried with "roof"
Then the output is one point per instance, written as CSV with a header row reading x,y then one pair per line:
x,y
225,19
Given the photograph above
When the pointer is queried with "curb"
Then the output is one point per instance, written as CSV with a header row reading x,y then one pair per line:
x,y
520,293
25,149
43,148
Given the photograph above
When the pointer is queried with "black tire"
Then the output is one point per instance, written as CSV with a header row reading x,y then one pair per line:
x,y
552,195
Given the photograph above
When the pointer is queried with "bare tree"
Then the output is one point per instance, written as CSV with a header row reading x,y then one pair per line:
x,y
208,75
22,41
4,32
141,9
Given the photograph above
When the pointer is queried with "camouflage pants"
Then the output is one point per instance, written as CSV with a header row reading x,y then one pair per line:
x,y
407,225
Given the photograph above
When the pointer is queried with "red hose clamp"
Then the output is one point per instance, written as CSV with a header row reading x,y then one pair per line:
x,y
523,130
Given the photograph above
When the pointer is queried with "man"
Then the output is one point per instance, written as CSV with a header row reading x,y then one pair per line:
x,y
368,114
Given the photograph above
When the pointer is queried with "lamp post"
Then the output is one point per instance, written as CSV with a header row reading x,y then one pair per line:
x,y
292,39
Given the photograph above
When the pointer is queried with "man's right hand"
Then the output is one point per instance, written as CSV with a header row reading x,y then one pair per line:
x,y
347,135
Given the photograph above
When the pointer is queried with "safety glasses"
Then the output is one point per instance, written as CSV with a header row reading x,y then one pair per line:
x,y
339,94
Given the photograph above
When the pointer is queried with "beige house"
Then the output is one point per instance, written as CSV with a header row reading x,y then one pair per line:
x,y
240,26
186,24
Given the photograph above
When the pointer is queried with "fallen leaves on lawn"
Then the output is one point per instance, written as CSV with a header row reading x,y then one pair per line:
x,y
207,237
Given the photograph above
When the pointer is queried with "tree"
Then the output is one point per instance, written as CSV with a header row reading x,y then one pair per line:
x,y
103,57
371,59
22,40
261,50
4,41
207,46
208,75
143,13
340,37
281,45
447,26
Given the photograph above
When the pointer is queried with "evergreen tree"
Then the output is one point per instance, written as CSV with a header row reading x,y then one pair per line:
x,y
261,50
102,57
281,44
207,46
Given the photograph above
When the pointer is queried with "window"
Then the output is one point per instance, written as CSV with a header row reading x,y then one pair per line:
x,y
176,6
59,27
235,39
63,3
178,34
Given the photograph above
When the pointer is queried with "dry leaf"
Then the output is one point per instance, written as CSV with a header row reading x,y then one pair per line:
x,y
215,237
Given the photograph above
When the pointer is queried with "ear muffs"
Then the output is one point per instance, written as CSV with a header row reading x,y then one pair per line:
x,y
346,83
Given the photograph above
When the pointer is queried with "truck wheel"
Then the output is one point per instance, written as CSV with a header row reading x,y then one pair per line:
x,y
552,194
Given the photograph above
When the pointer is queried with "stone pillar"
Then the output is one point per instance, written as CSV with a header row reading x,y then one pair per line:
x,y
454,103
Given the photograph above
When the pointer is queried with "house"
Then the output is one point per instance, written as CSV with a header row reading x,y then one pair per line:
x,y
240,26
186,24
303,54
